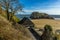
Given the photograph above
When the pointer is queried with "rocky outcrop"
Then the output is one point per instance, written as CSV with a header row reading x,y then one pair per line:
x,y
26,22
37,15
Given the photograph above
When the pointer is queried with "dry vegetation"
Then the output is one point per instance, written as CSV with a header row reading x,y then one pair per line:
x,y
9,32
40,23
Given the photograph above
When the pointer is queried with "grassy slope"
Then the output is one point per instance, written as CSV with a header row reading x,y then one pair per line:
x,y
9,32
40,23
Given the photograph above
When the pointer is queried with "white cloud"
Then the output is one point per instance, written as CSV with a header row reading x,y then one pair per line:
x,y
49,11
53,9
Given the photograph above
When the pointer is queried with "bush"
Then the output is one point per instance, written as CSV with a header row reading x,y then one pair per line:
x,y
48,27
47,34
16,19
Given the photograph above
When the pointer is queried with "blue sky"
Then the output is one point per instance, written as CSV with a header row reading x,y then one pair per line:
x,y
51,7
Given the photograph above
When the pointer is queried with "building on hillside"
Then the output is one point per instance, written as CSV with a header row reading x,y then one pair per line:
x,y
26,22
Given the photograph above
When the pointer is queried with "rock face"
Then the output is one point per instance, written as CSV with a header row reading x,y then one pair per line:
x,y
37,15
26,22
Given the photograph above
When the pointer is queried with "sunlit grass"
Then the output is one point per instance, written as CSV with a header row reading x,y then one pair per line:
x,y
10,32
40,23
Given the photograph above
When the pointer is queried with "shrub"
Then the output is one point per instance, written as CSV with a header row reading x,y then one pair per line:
x,y
48,28
16,19
47,34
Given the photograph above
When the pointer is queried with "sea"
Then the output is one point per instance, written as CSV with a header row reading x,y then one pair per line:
x,y
21,16
56,17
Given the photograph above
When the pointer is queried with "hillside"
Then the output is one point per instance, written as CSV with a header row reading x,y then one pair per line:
x,y
40,23
10,32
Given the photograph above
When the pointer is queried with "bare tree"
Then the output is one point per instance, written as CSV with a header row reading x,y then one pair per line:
x,y
11,6
0,9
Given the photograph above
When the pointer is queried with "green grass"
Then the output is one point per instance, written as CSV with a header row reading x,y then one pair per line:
x,y
16,19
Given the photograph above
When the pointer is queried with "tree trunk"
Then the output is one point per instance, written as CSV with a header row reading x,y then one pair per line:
x,y
7,14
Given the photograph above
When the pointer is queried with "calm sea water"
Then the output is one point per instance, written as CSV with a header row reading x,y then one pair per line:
x,y
56,17
22,16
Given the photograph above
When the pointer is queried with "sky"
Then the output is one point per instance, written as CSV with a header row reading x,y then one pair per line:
x,y
51,7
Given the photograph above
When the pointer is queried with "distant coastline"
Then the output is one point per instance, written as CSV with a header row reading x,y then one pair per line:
x,y
56,17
